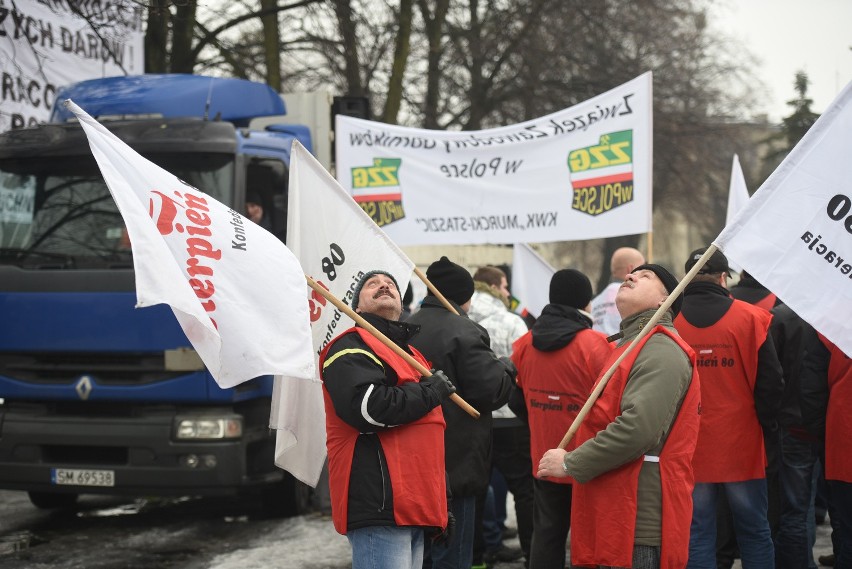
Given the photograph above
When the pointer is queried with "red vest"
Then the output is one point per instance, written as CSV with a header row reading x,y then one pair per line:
x,y
603,511
556,385
730,442
414,452
838,421
767,302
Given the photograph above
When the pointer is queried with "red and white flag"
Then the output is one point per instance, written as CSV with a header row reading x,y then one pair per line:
x,y
530,279
336,243
237,291
795,233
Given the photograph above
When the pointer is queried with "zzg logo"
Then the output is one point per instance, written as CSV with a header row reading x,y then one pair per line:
x,y
602,175
376,189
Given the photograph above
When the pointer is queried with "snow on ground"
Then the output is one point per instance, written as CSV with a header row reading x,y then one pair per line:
x,y
303,542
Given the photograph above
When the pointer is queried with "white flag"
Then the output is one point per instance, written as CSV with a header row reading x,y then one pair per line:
x,y
236,290
737,198
530,279
795,233
336,243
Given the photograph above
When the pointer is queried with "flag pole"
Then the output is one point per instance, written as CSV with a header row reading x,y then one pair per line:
x,y
387,342
650,246
435,291
642,333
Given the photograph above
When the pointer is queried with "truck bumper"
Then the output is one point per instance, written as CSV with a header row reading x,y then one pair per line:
x,y
138,450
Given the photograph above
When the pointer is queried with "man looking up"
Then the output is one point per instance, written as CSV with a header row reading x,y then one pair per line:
x,y
379,411
633,462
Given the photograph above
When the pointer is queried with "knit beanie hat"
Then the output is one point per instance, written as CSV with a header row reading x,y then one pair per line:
x,y
669,281
571,288
367,276
451,280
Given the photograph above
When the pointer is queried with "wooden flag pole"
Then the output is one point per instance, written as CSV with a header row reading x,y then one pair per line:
x,y
435,291
650,246
386,341
642,333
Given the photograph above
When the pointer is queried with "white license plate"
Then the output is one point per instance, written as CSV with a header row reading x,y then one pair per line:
x,y
80,477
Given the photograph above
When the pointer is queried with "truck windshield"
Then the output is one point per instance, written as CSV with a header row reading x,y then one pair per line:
x,y
56,212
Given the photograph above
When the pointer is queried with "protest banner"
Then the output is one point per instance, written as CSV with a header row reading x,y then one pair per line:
x,y
580,173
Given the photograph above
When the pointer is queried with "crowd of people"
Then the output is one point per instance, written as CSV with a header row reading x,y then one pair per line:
x,y
705,428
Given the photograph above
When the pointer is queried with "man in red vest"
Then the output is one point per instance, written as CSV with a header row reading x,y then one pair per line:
x,y
558,361
826,400
633,461
741,388
385,436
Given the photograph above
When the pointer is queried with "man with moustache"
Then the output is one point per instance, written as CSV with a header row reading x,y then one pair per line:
x,y
379,411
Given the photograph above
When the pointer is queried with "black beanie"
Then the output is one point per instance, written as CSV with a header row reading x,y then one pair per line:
x,y
669,281
367,276
571,288
451,280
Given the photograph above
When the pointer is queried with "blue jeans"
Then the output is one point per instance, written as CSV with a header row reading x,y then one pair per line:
x,y
386,547
749,503
458,551
492,530
792,544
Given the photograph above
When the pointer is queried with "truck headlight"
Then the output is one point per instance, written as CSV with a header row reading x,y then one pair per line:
x,y
209,428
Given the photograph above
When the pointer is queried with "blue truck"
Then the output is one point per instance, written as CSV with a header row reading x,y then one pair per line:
x,y
95,395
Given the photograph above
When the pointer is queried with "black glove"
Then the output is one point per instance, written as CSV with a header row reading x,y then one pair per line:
x,y
510,365
439,383
443,536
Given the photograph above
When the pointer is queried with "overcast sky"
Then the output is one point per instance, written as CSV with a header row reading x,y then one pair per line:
x,y
813,36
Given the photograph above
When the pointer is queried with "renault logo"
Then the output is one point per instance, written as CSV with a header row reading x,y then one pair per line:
x,y
83,387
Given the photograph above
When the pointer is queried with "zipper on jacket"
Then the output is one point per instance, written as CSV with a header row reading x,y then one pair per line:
x,y
382,472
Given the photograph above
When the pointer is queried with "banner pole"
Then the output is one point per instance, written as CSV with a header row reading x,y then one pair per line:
x,y
386,341
642,333
435,291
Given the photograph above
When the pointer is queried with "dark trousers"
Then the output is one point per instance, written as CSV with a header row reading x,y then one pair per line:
x,y
792,543
841,508
551,521
511,456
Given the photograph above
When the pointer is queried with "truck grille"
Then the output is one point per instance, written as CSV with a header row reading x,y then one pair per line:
x,y
66,368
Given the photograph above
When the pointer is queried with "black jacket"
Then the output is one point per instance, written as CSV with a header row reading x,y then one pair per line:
x,y
461,348
751,291
348,380
792,336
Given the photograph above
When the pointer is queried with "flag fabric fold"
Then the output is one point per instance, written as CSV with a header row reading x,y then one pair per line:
x,y
236,290
795,233
530,279
336,243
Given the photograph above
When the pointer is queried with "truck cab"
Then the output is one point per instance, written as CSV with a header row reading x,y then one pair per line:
x,y
98,396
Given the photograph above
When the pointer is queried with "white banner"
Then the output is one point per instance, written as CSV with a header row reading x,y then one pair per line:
x,y
236,290
737,198
795,233
47,45
530,279
581,173
336,243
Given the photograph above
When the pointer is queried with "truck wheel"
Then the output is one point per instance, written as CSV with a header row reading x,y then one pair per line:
x,y
52,501
286,498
